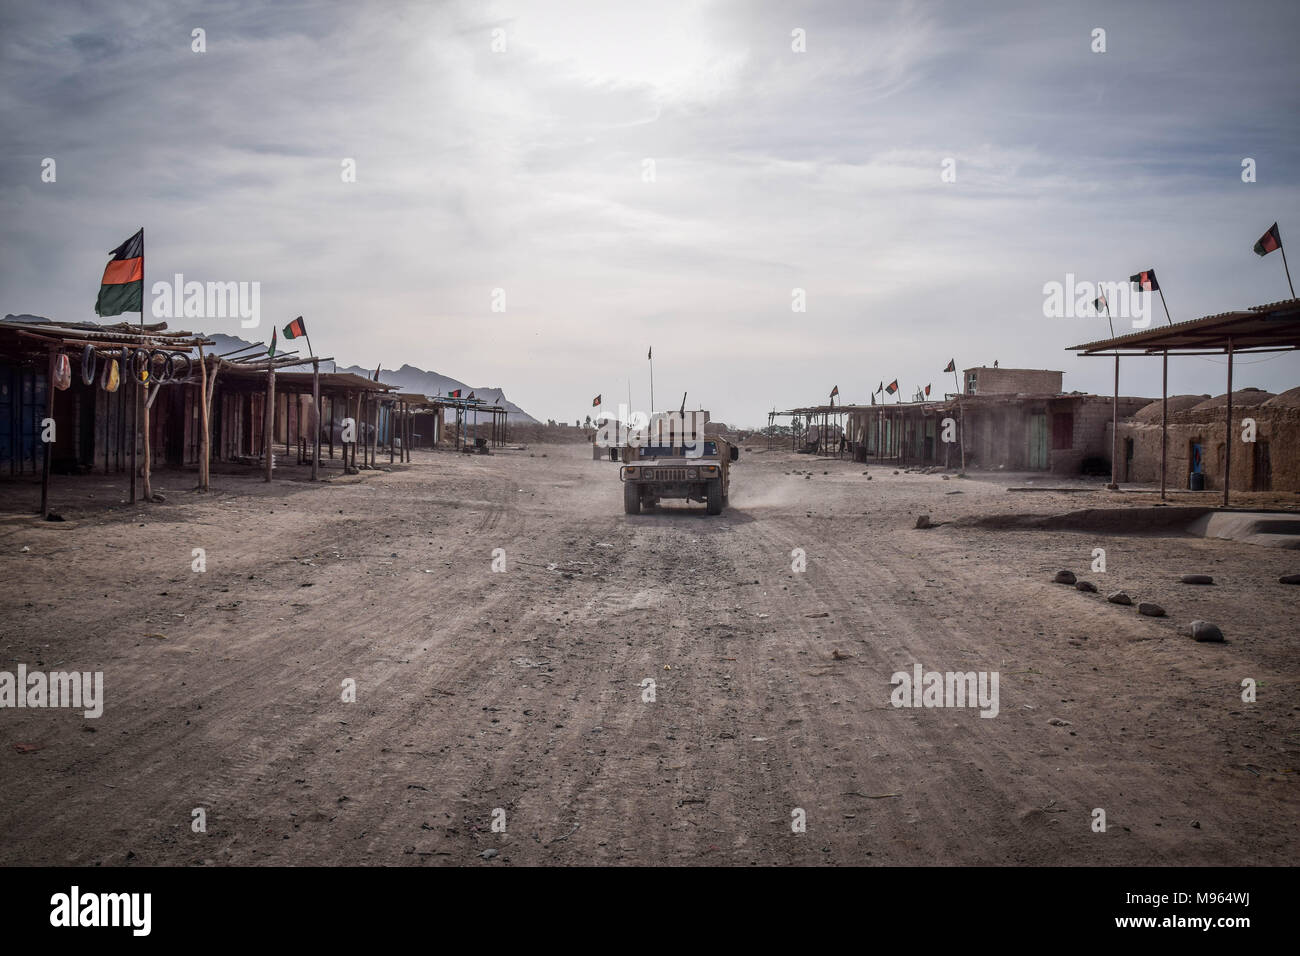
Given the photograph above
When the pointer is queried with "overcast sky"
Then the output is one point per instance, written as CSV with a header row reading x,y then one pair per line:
x,y
524,170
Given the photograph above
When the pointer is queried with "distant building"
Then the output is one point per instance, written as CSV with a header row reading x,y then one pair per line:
x,y
1011,381
1015,419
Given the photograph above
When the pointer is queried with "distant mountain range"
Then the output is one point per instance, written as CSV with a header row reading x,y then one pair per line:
x,y
408,377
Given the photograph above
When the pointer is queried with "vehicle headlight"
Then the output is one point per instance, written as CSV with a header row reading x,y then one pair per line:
x,y
691,473
630,472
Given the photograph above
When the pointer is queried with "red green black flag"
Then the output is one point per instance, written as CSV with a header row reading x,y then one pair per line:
x,y
835,391
595,401
122,288
892,387
271,351
295,329
927,391
951,366
1269,242
1145,281
455,394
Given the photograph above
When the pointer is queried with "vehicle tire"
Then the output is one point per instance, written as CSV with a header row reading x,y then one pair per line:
x,y
88,365
631,498
172,374
715,497
139,366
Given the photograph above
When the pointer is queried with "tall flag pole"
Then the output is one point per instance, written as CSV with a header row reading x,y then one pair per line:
x,y
961,409
1267,243
952,367
1098,304
1146,282
122,290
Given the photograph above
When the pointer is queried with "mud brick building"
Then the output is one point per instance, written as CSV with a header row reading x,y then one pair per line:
x,y
1064,434
1190,444
1196,441
1011,381
1013,419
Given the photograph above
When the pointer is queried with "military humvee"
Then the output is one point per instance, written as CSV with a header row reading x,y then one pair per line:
x,y
687,465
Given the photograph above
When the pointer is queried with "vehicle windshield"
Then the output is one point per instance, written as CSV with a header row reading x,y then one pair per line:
x,y
699,449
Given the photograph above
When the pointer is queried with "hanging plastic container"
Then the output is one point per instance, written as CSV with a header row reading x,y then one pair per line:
x,y
111,377
62,372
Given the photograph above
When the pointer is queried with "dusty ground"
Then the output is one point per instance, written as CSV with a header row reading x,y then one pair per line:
x,y
522,690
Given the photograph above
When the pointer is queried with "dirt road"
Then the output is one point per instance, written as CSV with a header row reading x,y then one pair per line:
x,y
518,695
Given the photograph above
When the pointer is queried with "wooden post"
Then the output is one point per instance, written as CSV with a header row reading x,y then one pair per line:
x,y
204,439
372,417
49,414
1164,421
961,424
1227,435
360,434
1114,432
135,430
315,404
268,423
212,390
148,449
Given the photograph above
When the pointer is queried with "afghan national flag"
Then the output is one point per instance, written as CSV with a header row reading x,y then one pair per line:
x,y
951,366
271,350
1099,304
1267,243
295,329
927,391
377,368
122,288
471,397
455,394
835,391
892,387
879,388
650,352
1145,281
595,401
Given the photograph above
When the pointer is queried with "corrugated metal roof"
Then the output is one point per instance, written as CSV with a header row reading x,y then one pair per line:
x,y
1275,325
